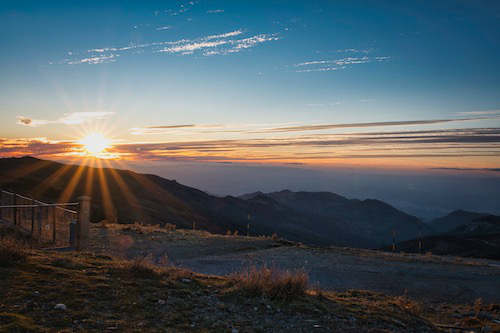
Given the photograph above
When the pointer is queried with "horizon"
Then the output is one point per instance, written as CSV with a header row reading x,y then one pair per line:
x,y
395,101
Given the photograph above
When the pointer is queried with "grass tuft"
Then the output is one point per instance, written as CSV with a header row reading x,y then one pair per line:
x,y
272,282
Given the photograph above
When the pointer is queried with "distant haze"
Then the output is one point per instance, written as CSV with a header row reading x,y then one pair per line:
x,y
424,194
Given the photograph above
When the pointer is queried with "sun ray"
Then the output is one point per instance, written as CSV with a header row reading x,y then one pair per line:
x,y
27,170
89,180
70,188
129,195
109,209
44,186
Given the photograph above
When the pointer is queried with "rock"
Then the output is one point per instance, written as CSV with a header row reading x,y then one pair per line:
x,y
161,302
234,330
186,280
60,306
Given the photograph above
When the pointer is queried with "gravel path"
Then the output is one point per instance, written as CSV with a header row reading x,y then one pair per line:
x,y
425,277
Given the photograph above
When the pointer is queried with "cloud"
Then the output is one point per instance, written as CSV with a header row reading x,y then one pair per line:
x,y
225,43
468,169
182,8
74,118
335,64
479,113
219,44
440,145
352,50
167,27
95,60
215,11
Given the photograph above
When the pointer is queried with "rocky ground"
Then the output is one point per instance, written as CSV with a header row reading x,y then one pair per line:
x,y
424,277
65,291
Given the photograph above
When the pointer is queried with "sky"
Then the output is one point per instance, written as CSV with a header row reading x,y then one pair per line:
x,y
309,85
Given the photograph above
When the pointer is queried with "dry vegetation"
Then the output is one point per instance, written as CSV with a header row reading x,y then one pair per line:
x,y
102,293
271,282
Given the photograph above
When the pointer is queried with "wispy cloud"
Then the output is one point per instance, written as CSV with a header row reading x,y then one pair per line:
x,y
75,118
225,43
352,50
335,64
215,11
219,44
438,145
370,124
479,113
95,60
181,9
167,27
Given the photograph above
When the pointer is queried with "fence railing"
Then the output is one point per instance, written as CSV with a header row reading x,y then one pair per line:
x,y
59,224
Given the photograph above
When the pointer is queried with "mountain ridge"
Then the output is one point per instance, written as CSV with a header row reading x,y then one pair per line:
x,y
319,218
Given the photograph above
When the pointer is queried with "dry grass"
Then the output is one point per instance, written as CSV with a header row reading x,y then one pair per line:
x,y
140,267
272,282
12,252
409,305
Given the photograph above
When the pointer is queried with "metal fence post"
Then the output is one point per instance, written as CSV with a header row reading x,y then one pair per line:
x,y
39,218
83,224
14,202
32,217
54,222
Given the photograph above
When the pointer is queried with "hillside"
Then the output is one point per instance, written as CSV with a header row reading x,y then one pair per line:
x,y
370,220
478,238
127,196
453,220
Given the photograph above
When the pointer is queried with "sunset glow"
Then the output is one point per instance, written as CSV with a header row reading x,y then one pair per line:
x,y
95,144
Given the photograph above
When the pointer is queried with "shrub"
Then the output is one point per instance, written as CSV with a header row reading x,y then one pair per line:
x,y
272,282
139,267
12,252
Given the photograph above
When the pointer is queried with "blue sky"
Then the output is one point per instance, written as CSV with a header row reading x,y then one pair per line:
x,y
157,75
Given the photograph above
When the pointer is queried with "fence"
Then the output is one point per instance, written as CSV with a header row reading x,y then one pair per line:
x,y
48,223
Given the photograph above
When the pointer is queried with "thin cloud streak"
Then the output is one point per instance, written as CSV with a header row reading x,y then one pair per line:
x,y
371,124
336,64
219,44
75,118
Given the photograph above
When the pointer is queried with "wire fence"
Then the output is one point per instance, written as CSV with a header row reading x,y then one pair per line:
x,y
48,223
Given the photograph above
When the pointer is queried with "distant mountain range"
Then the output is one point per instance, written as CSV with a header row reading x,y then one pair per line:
x,y
317,218
462,233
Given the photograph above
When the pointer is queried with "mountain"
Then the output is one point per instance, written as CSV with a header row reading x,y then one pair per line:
x,y
478,238
319,218
369,221
453,220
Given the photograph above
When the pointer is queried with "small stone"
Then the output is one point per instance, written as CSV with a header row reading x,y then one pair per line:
x,y
186,280
234,330
255,308
161,302
60,306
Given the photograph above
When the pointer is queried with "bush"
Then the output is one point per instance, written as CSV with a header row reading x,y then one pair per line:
x,y
272,282
139,267
12,252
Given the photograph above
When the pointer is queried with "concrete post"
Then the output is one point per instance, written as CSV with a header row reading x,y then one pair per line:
x,y
83,225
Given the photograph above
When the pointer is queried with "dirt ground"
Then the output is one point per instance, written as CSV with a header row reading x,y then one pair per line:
x,y
423,277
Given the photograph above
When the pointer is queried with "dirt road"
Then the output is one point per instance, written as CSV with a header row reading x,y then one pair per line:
x,y
424,277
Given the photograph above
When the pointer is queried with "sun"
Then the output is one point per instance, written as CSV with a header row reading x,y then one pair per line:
x,y
95,144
